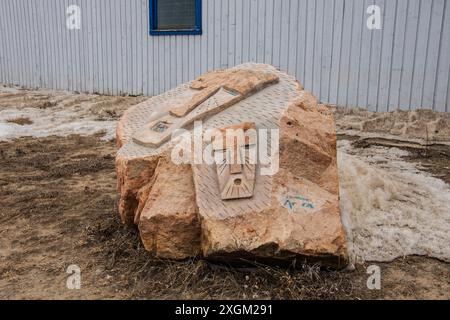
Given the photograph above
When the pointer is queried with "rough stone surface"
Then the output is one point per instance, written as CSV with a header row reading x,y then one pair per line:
x,y
168,222
299,217
292,216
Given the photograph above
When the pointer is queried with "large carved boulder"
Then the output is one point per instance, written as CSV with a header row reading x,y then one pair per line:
x,y
256,179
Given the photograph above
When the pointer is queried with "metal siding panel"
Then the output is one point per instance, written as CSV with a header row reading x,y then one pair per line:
x,y
318,46
83,45
421,54
389,25
310,38
67,48
93,46
441,102
185,60
113,34
293,37
301,43
129,50
447,108
375,62
253,36
132,65
277,33
35,44
204,37
3,44
151,66
21,42
166,60
90,43
7,48
33,52
173,62
409,53
431,68
355,53
231,52
58,24
211,34
191,58
397,55
79,50
52,15
336,56
24,43
217,35
44,67
136,44
198,56
224,34
20,49
268,41
284,44
345,52
366,51
49,15
101,45
144,75
115,73
156,65
327,49
239,31
126,50
179,60
40,46
77,47
149,57
140,43
159,46
15,56
260,54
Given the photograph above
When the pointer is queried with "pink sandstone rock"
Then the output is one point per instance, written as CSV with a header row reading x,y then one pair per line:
x,y
181,210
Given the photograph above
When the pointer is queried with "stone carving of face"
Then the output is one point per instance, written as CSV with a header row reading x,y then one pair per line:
x,y
235,156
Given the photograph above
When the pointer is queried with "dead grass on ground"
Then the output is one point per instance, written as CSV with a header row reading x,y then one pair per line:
x,y
20,121
59,207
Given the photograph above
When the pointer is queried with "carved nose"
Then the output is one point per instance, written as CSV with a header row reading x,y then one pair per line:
x,y
235,168
236,165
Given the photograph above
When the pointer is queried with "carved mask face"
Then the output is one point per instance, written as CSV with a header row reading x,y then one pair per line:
x,y
235,156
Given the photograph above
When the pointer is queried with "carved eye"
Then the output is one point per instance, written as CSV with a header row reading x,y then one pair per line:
x,y
161,126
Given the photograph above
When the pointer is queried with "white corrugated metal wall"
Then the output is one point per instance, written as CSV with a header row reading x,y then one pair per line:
x,y
325,43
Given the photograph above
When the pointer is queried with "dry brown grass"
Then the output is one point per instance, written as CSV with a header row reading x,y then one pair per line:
x,y
59,207
20,121
200,279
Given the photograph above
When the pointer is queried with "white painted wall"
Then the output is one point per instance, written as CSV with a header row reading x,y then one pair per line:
x,y
325,43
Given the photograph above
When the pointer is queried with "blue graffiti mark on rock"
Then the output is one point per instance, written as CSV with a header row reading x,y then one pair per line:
x,y
290,203
307,205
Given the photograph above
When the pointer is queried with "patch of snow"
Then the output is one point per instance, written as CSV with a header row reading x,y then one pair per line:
x,y
390,208
48,122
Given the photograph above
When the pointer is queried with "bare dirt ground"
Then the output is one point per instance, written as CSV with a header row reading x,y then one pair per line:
x,y
58,208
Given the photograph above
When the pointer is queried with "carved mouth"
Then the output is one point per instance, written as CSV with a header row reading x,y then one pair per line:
x,y
237,182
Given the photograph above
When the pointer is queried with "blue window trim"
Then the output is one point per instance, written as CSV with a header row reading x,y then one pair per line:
x,y
154,21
